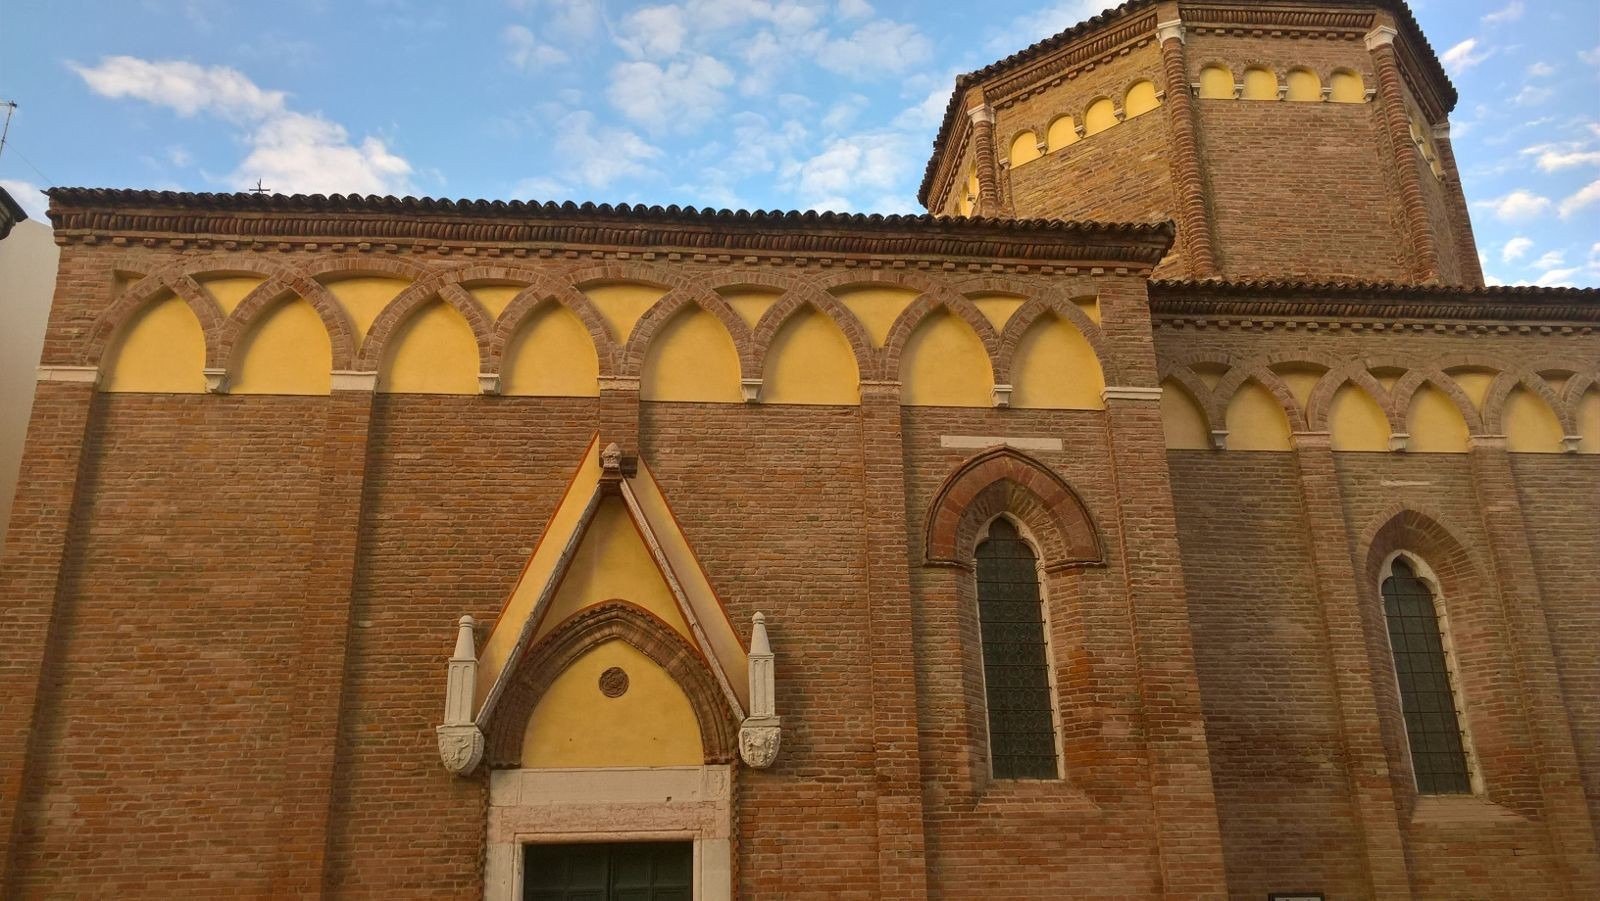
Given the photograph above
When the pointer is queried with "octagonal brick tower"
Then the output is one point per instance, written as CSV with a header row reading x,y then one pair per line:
x,y
1298,138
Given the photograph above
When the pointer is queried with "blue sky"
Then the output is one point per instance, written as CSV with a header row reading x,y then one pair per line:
x,y
727,103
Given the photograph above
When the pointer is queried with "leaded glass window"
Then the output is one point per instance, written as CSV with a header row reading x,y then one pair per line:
x,y
1016,667
1427,696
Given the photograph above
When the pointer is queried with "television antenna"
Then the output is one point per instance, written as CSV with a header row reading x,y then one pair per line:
x,y
258,189
11,107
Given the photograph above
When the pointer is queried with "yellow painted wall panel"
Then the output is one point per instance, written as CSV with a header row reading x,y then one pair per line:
x,y
229,290
1346,87
1531,426
1301,381
1304,86
1024,149
1256,420
1063,131
286,351
432,352
1475,383
160,350
997,308
876,306
751,303
1434,423
1260,84
810,362
1141,99
1357,422
576,725
551,355
1216,83
1055,368
495,298
944,365
622,303
1101,115
1181,420
692,358
613,563
364,297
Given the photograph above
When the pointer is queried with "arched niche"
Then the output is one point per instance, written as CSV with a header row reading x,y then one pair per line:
x,y
1216,82
1530,425
1024,149
1062,132
1435,424
551,355
810,362
1101,115
1056,368
944,364
1356,421
692,358
1345,86
1260,84
433,352
285,351
1256,420
1303,86
1182,421
1589,422
1141,98
160,349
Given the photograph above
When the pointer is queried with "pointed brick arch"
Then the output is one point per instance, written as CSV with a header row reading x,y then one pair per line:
x,y
1199,395
1261,373
919,310
441,287
1062,307
1405,391
1321,402
540,289
1494,402
263,297
1005,480
667,308
1425,534
586,630
145,291
798,299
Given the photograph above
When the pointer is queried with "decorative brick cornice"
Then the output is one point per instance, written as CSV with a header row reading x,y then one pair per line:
x,y
361,223
1094,36
1436,307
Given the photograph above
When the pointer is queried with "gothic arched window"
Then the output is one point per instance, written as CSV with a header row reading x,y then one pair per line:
x,y
1428,699
1016,659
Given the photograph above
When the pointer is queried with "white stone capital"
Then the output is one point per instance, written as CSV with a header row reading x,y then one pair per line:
x,y
80,374
489,382
1399,441
1002,395
351,380
1170,29
750,390
1219,439
1381,36
1124,392
1441,131
216,380
984,113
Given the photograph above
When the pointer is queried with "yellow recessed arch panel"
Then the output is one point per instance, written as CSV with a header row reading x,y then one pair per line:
x,y
692,358
751,303
621,304
575,724
997,308
286,351
1435,424
944,364
1531,426
1063,131
1024,148
810,362
161,349
877,306
612,562
1181,420
364,297
1256,420
1357,422
1101,115
229,290
1589,422
495,297
1056,368
1260,84
1141,99
551,355
1345,86
432,352
1216,83
1304,86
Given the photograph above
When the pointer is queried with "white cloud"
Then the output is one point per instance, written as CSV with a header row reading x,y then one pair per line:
x,y
927,113
1510,13
1026,30
874,164
568,19
1592,57
854,9
1550,260
1587,196
289,151
27,196
843,114
597,156
1464,56
1518,206
655,32
1557,278
1515,249
682,95
525,51
1532,95
874,49
1541,70
1568,155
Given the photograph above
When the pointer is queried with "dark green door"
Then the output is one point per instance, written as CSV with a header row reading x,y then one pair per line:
x,y
628,871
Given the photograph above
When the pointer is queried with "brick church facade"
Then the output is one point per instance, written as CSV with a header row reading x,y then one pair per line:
x,y
377,547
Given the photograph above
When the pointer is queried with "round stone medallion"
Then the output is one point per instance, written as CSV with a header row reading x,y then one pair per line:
x,y
614,682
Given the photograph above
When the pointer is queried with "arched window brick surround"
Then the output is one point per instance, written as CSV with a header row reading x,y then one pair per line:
x,y
1003,480
587,630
